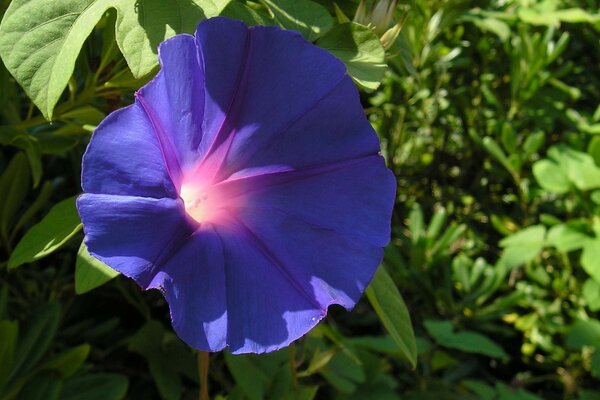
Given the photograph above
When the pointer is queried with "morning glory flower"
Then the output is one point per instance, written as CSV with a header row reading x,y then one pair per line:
x,y
244,183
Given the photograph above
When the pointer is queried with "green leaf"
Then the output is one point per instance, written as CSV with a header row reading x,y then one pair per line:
x,y
416,223
4,302
95,387
539,16
391,310
495,151
567,237
90,272
14,186
506,392
55,229
317,362
591,294
31,146
500,28
590,258
594,149
37,335
470,342
240,11
9,331
251,379
142,25
481,389
533,142
43,386
148,342
212,8
595,364
360,49
523,246
551,176
584,333
40,40
565,167
68,362
311,19
40,202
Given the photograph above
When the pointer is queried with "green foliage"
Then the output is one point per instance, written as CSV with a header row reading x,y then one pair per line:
x,y
40,41
361,51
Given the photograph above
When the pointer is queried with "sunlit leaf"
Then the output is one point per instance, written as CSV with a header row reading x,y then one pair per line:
x,y
52,232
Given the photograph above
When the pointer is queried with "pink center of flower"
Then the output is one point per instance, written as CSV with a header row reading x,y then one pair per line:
x,y
205,197
200,203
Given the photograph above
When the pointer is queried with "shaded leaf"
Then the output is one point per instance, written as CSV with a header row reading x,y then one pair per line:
x,y
37,335
391,309
95,387
311,19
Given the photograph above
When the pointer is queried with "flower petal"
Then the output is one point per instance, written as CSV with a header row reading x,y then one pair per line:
x,y
176,98
222,47
267,308
124,157
133,235
354,198
279,78
334,129
333,268
193,282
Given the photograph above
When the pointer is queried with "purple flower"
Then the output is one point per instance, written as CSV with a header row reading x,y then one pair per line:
x,y
244,183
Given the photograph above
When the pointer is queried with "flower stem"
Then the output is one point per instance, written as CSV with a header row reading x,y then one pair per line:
x,y
203,362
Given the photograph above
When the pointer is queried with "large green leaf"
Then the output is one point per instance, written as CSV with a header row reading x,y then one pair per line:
x,y
584,333
61,223
311,19
90,272
40,40
391,309
360,49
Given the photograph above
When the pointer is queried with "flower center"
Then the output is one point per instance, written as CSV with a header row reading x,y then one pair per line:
x,y
202,204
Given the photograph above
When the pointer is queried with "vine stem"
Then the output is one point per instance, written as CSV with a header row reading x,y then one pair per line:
x,y
203,364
